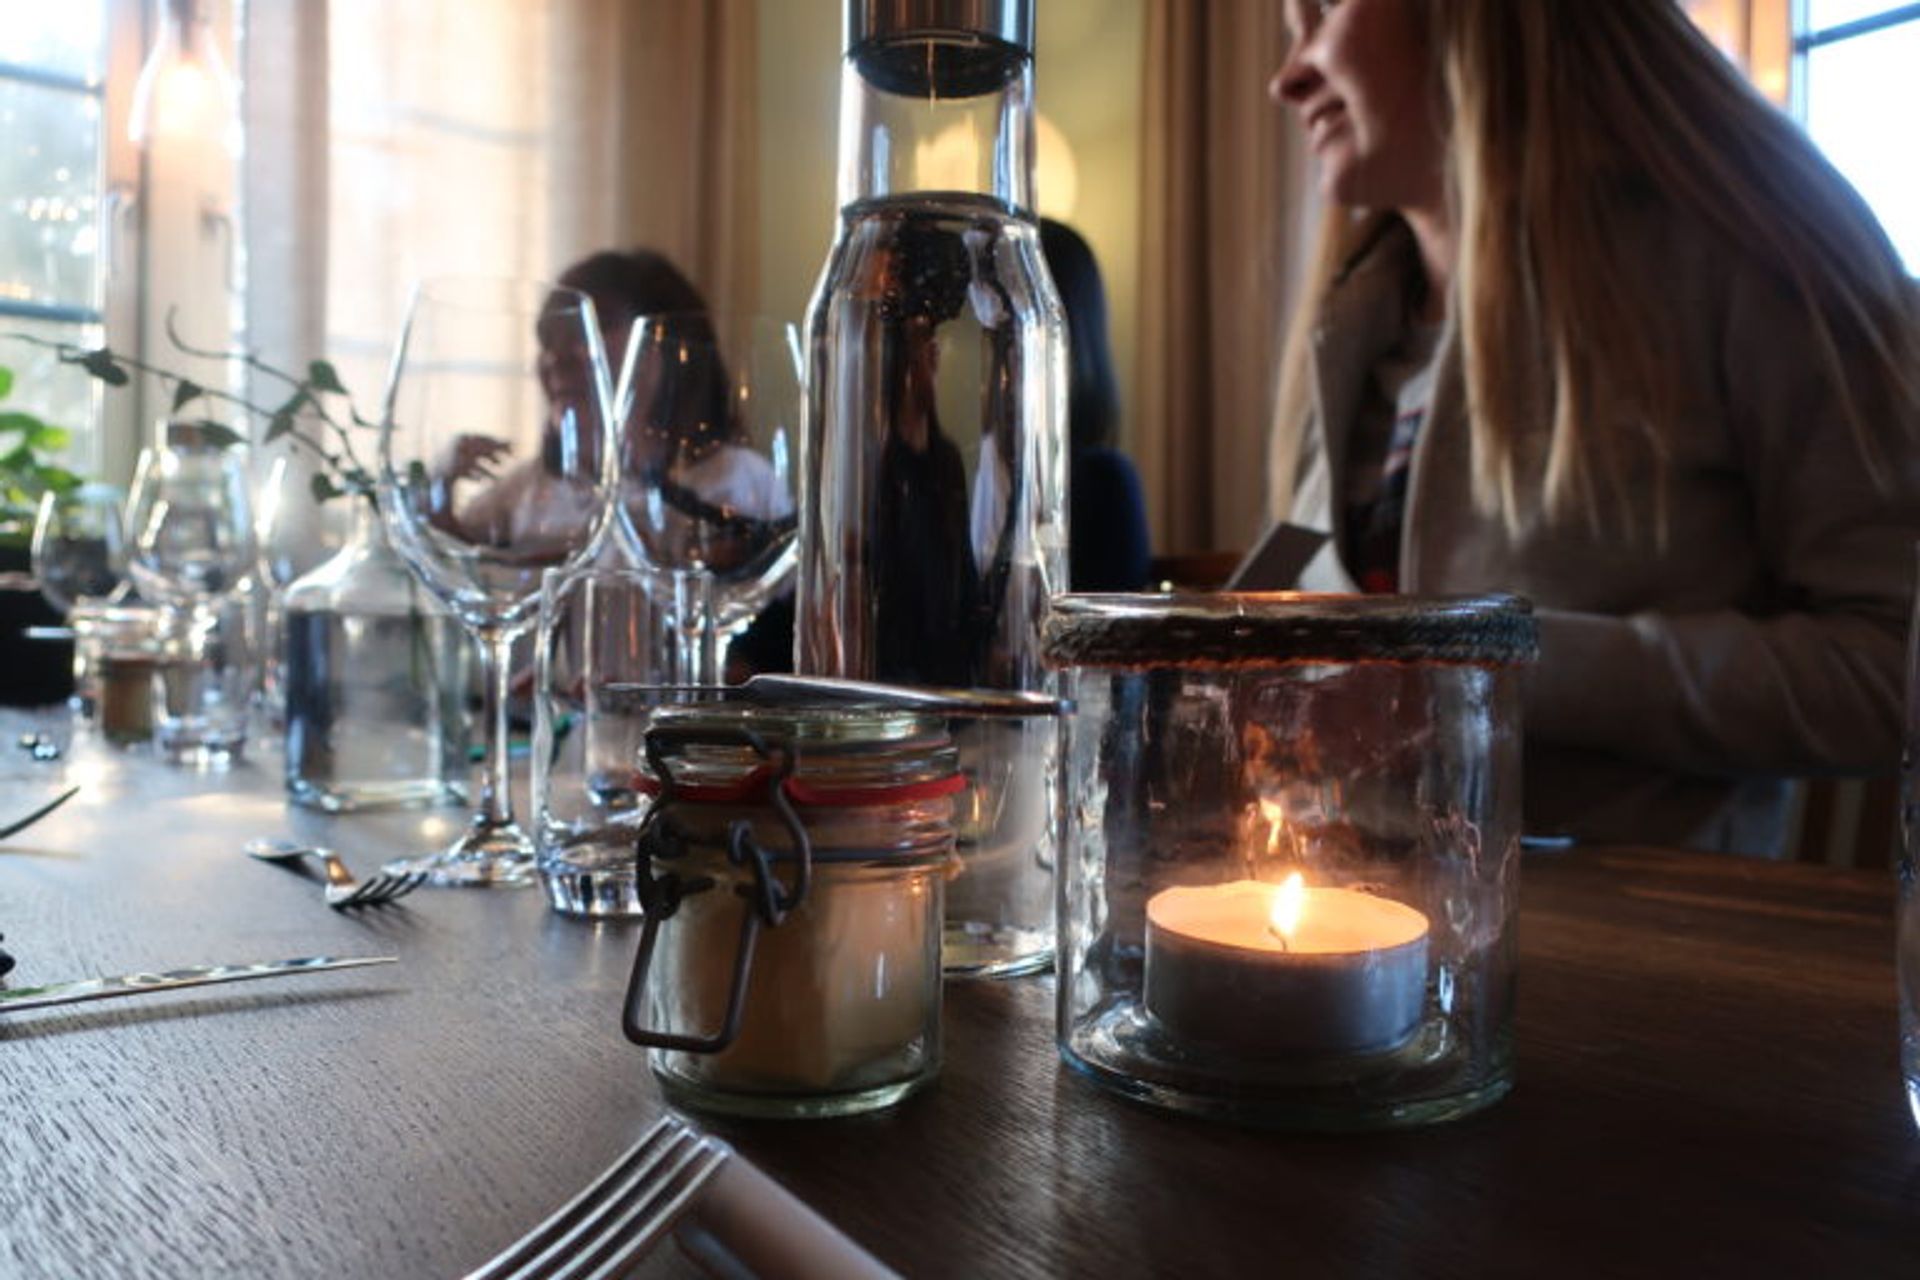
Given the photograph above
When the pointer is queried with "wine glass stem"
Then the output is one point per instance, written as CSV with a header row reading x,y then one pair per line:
x,y
696,646
496,804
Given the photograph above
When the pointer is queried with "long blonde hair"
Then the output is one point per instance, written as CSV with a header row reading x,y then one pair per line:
x,y
1550,101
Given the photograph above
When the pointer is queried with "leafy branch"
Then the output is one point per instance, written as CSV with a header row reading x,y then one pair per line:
x,y
308,393
24,475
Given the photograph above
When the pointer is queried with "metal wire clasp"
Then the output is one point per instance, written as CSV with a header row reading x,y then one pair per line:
x,y
766,900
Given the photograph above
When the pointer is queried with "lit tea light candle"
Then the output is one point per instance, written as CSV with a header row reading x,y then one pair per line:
x,y
1285,969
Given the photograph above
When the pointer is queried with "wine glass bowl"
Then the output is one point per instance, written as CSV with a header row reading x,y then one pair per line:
x,y
189,518
79,547
710,412
496,464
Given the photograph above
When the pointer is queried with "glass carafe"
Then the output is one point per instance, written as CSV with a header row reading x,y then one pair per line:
x,y
375,673
933,515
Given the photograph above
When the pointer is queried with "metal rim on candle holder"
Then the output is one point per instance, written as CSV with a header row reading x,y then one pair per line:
x,y
1285,628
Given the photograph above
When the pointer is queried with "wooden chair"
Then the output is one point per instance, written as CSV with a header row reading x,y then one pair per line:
x,y
1847,822
1192,571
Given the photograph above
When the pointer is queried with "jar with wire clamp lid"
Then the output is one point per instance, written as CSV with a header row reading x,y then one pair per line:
x,y
792,873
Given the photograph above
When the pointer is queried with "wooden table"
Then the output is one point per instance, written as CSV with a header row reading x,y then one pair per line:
x,y
1707,1085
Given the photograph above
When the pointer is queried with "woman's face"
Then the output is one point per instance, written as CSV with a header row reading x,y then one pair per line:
x,y
1359,79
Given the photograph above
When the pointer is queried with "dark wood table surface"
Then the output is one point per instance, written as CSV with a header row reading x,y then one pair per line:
x,y
1707,1084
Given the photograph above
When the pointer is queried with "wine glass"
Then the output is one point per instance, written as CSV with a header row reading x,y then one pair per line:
x,y
711,412
190,519
496,464
191,550
79,547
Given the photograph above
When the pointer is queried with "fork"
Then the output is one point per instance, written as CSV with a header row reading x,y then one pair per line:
x,y
621,1214
342,891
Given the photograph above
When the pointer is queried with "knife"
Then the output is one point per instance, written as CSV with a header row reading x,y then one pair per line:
x,y
133,984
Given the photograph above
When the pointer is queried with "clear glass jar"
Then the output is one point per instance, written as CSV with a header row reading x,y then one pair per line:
x,y
933,461
792,871
1292,854
374,671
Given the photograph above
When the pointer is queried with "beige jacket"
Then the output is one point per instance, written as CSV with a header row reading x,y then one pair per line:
x,y
1678,685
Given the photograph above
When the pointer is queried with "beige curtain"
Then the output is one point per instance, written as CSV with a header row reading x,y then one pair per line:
x,y
390,141
663,149
1756,34
1225,214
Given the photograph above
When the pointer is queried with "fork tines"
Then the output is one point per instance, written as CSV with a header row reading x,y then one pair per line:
x,y
620,1215
377,889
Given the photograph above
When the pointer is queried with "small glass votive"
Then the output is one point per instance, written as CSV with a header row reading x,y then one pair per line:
x,y
117,656
207,676
792,870
597,672
1292,847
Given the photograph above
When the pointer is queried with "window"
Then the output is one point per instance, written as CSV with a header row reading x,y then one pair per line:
x,y
1858,94
53,198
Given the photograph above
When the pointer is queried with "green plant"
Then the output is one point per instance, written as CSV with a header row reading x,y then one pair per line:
x,y
25,472
313,396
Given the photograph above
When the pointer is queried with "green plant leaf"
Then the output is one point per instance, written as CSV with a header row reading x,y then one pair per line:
x,y
101,364
186,393
217,434
51,439
324,488
322,376
6,382
24,424
278,425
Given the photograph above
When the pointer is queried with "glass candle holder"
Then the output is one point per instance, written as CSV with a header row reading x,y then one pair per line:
x,y
117,657
1292,850
792,871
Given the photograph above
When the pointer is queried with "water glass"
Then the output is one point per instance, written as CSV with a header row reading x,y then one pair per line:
x,y
208,669
1908,957
600,652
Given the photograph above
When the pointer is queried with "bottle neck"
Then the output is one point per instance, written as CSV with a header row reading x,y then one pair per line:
x,y
937,114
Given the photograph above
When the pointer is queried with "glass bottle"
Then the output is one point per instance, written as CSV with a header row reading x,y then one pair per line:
x,y
933,461
375,671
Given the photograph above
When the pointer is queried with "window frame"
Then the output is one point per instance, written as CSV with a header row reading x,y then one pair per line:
x,y
1804,38
107,450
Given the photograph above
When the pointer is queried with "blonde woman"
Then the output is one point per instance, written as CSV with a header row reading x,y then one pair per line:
x,y
1596,325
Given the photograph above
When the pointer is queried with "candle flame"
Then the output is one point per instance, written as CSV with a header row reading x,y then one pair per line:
x,y
1289,900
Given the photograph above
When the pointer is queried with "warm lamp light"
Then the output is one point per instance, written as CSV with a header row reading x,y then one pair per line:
x,y
185,90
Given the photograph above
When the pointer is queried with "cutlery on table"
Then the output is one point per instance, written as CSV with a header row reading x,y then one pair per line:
x,y
134,984
744,1224
21,824
343,889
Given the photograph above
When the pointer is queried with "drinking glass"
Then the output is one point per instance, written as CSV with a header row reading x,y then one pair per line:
x,y
597,680
191,551
79,545
1908,930
496,464
711,412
